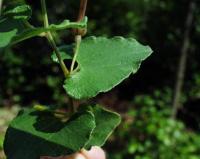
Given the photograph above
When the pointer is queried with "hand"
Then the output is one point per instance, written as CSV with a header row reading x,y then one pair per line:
x,y
95,153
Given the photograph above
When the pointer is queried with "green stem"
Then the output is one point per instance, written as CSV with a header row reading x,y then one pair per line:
x,y
76,50
1,4
44,13
51,39
28,25
61,62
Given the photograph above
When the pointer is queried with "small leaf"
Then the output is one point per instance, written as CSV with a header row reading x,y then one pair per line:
x,y
9,28
31,32
15,28
12,23
106,121
19,12
34,133
103,64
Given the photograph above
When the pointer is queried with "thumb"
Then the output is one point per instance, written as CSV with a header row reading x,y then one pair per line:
x,y
95,153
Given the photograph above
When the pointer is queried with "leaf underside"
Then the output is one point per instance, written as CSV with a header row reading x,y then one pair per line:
x,y
103,64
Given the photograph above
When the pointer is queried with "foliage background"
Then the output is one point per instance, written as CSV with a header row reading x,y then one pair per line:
x,y
28,77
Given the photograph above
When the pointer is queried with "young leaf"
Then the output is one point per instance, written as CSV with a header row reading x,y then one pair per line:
x,y
12,23
14,26
18,12
37,133
31,32
103,64
106,121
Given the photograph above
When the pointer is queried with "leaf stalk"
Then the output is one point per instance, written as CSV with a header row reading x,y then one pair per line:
x,y
51,39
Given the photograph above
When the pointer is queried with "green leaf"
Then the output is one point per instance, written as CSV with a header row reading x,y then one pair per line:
x,y
37,133
18,12
15,28
103,64
11,26
106,121
66,53
31,32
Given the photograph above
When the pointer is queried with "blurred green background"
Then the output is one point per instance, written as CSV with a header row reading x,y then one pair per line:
x,y
148,131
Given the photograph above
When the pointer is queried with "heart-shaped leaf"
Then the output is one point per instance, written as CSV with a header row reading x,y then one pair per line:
x,y
38,133
103,64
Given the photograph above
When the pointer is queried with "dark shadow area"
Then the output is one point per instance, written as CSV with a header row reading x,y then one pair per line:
x,y
28,146
42,122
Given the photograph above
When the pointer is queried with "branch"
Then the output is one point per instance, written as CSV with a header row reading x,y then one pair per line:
x,y
183,60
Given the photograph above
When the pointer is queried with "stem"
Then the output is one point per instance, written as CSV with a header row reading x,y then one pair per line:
x,y
27,24
76,50
183,60
79,32
44,13
1,4
82,10
51,39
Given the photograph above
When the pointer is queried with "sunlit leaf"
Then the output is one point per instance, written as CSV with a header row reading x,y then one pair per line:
x,y
103,64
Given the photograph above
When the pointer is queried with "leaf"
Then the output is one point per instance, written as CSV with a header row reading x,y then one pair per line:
x,y
11,25
31,32
103,64
106,121
18,12
15,28
37,133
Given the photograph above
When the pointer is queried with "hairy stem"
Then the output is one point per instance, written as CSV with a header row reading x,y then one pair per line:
x,y
51,39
